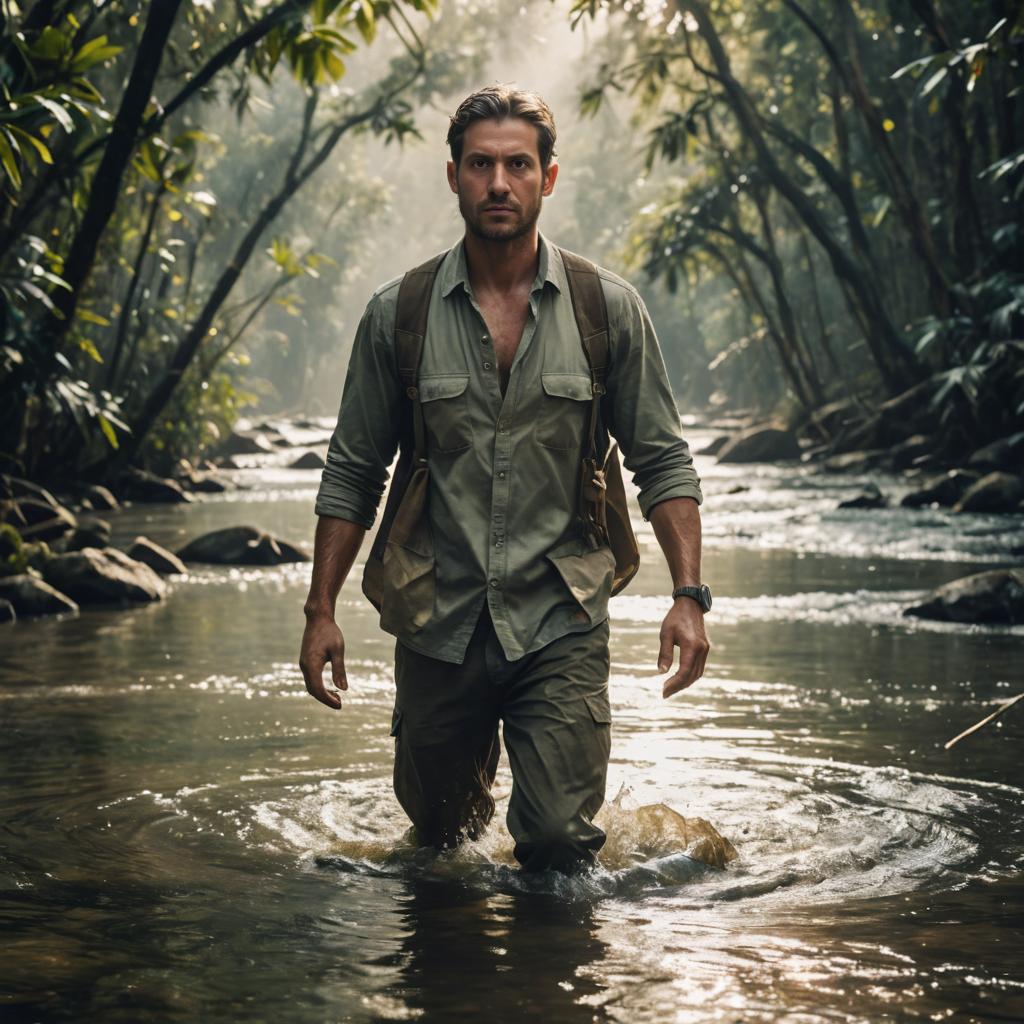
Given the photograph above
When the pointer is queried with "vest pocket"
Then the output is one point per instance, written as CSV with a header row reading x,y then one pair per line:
x,y
564,410
445,411
587,574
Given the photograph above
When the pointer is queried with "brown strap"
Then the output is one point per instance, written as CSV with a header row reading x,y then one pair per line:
x,y
591,311
410,329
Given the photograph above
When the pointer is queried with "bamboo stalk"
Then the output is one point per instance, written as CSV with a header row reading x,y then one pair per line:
x,y
989,718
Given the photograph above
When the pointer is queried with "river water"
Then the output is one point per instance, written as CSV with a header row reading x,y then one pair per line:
x,y
188,836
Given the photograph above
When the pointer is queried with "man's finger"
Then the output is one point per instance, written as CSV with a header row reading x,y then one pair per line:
x,y
667,652
686,674
338,673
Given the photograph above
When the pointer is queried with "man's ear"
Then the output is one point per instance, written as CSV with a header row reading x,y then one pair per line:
x,y
453,181
549,179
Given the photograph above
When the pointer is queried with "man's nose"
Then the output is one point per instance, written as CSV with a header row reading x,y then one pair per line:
x,y
499,183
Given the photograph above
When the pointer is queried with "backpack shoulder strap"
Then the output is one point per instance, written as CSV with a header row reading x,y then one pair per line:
x,y
591,311
411,311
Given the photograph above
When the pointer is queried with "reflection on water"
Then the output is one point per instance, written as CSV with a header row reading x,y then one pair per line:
x,y
188,836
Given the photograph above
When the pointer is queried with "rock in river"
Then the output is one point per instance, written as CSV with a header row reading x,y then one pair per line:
x,y
764,443
996,492
31,596
945,490
141,485
996,596
91,575
308,460
159,559
869,497
242,545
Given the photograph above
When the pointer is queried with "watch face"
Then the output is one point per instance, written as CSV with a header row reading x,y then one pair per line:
x,y
705,597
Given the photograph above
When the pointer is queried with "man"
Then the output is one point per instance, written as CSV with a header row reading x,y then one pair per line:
x,y
514,625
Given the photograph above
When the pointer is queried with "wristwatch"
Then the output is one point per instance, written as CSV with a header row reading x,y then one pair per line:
x,y
701,594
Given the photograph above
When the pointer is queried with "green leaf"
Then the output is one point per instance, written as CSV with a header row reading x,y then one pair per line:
x,y
93,318
8,159
41,149
108,430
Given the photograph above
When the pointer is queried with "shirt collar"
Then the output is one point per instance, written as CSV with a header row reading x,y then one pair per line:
x,y
550,268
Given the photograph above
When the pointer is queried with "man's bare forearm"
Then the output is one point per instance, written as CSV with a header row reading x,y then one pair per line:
x,y
335,548
676,523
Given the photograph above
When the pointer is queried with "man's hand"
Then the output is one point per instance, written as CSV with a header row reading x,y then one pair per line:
x,y
683,628
322,642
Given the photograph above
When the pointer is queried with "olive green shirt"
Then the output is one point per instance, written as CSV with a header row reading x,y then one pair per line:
x,y
504,468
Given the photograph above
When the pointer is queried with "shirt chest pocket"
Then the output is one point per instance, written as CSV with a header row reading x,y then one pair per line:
x,y
564,412
446,411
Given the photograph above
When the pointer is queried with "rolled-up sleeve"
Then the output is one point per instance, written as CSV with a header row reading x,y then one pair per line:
x,y
366,437
641,411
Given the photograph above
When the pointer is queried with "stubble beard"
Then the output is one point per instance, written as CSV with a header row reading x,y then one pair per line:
x,y
499,232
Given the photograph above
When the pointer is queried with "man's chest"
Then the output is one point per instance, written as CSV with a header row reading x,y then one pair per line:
x,y
470,353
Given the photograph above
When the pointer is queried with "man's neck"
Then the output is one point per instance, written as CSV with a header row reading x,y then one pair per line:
x,y
501,267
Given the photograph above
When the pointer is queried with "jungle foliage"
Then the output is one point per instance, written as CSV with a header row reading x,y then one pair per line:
x,y
846,193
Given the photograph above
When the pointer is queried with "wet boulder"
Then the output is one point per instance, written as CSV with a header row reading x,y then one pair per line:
x,y
996,492
1007,454
244,443
869,497
715,446
764,443
7,612
210,483
158,558
945,490
242,545
996,596
29,595
94,576
308,460
94,534
853,462
99,498
142,486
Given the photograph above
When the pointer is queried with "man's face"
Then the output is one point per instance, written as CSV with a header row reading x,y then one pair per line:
x,y
499,180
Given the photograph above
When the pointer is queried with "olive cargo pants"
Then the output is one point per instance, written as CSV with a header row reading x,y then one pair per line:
x,y
557,728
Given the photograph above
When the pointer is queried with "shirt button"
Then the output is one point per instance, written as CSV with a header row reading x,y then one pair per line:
x,y
484,340
494,583
501,475
487,366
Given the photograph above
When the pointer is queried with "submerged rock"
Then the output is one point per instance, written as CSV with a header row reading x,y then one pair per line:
x,y
854,462
7,612
996,596
996,492
93,576
869,497
715,446
1006,453
242,545
159,559
94,534
945,490
764,443
99,498
29,595
239,443
308,460
141,485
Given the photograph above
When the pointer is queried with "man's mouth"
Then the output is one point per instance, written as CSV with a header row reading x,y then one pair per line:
x,y
498,209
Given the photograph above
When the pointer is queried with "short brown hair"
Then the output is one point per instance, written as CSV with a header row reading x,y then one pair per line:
x,y
498,101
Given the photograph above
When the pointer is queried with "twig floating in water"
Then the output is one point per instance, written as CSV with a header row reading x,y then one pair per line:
x,y
989,718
